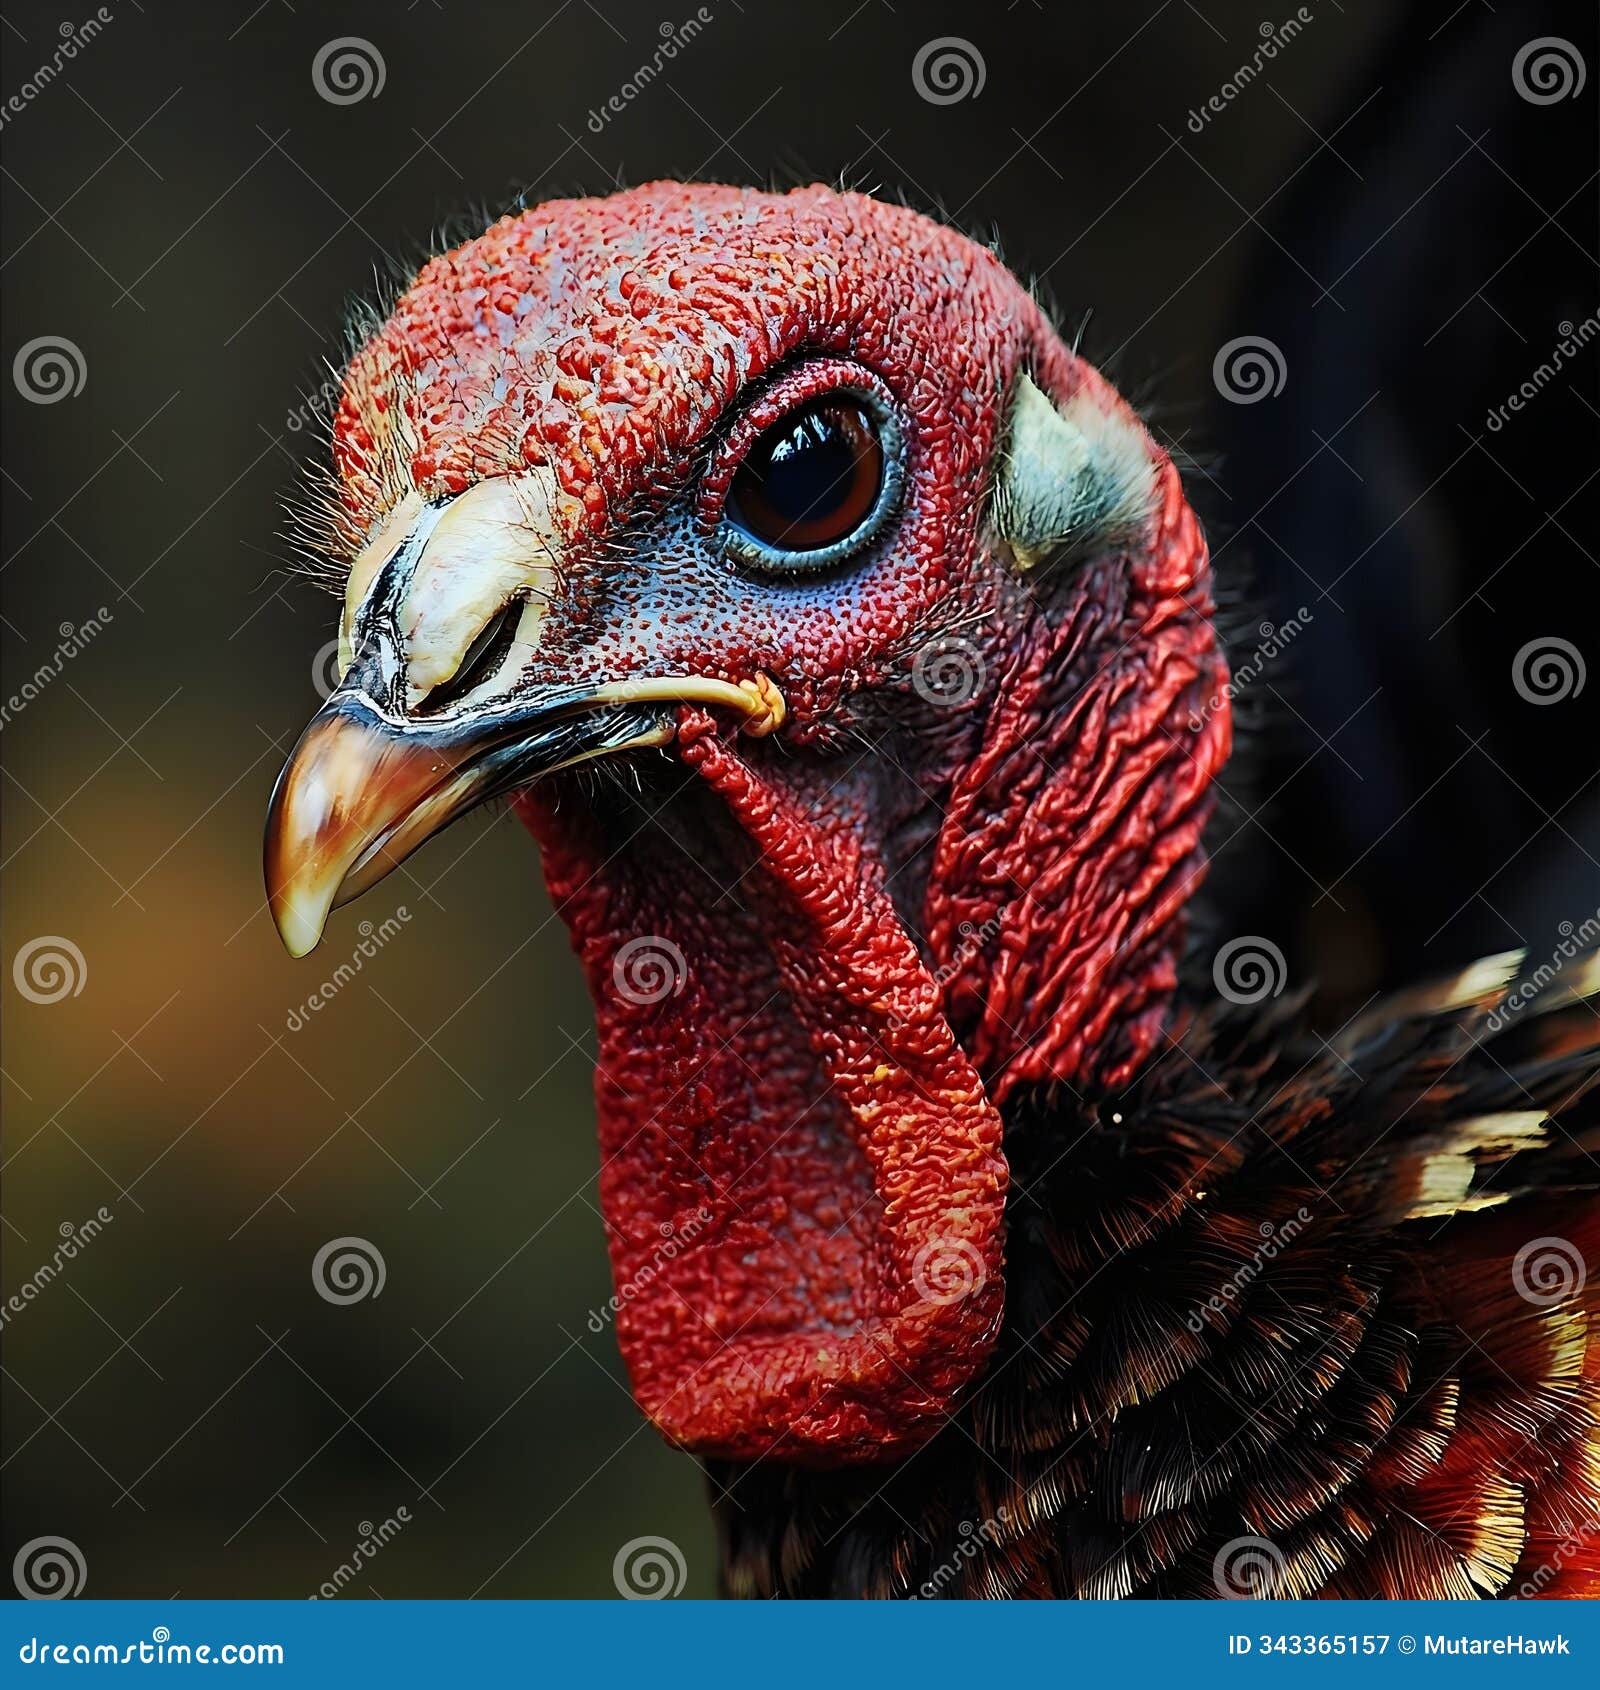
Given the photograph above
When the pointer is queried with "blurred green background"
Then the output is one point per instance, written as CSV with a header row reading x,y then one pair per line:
x,y
186,209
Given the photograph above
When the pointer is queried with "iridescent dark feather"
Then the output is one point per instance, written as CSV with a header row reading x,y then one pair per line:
x,y
1289,1317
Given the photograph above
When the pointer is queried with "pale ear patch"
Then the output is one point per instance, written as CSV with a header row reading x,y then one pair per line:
x,y
1073,480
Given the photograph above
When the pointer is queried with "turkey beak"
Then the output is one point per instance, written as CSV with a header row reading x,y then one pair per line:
x,y
417,733
363,789
412,737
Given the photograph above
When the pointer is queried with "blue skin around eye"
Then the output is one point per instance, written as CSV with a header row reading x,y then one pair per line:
x,y
663,594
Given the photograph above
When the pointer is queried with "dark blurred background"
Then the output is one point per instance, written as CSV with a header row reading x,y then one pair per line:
x,y
1396,205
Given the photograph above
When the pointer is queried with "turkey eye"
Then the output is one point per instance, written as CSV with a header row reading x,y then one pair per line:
x,y
807,491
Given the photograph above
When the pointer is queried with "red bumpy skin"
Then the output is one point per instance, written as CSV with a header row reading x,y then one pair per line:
x,y
890,914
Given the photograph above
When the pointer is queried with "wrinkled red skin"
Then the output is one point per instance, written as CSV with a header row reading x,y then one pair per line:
x,y
802,1149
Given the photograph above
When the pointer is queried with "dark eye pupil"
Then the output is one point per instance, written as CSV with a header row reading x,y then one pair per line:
x,y
808,468
811,479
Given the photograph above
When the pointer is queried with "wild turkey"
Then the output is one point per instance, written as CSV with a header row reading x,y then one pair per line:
x,y
849,646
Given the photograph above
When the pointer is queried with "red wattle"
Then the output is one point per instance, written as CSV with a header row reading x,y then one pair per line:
x,y
796,1120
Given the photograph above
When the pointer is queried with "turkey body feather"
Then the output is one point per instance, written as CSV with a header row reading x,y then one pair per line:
x,y
1287,1317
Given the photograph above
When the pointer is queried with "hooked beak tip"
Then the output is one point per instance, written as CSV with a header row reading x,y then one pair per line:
x,y
346,785
300,916
301,884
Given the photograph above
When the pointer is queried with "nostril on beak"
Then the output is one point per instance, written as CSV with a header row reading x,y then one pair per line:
x,y
481,661
467,584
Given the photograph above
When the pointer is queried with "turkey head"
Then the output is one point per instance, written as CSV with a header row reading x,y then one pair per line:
x,y
846,643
